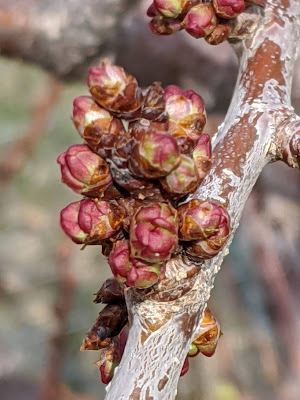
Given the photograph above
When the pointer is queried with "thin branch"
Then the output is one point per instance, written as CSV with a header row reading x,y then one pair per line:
x,y
160,331
24,146
288,142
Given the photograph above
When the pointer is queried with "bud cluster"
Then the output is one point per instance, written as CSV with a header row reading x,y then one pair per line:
x,y
143,151
200,19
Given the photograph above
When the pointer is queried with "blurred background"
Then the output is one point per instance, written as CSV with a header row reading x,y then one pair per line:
x,y
47,283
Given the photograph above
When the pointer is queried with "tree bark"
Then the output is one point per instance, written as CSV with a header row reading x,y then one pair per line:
x,y
163,323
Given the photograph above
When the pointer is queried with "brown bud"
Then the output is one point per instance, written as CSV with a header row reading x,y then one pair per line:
x,y
111,292
219,34
153,107
109,323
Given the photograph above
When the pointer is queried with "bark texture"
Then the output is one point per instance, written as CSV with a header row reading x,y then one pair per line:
x,y
163,323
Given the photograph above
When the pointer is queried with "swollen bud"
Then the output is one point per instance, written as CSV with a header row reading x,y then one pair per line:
x,y
163,26
153,232
183,179
186,115
91,221
109,360
84,171
143,275
201,219
170,8
119,260
114,89
208,334
200,21
228,8
202,155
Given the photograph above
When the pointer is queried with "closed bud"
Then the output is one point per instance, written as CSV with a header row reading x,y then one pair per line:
x,y
70,225
200,21
186,113
228,8
201,219
119,260
194,351
90,221
152,11
208,334
185,367
153,107
114,89
157,154
110,322
183,179
84,171
202,155
142,275
164,26
209,248
109,360
153,232
219,34
96,125
170,8
111,292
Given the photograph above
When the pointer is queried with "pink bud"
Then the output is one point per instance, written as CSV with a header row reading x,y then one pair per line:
x,y
209,248
86,111
183,179
69,223
200,21
99,219
119,260
109,360
157,154
186,113
143,276
114,89
170,8
84,171
153,232
202,155
90,222
152,11
185,367
228,8
201,219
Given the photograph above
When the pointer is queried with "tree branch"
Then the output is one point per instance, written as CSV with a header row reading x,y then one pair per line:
x,y
288,141
161,331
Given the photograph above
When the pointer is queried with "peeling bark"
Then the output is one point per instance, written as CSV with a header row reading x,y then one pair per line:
x,y
161,331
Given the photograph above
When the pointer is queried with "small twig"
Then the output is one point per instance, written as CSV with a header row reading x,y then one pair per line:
x,y
52,388
24,146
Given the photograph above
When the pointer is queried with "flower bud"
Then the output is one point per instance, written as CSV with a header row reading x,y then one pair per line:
x,y
186,113
200,21
152,11
90,222
219,34
194,351
228,8
69,223
157,154
183,179
96,125
163,26
209,248
170,8
84,171
153,232
119,260
202,155
208,334
109,360
143,276
200,219
114,89
110,322
153,107
111,292
185,367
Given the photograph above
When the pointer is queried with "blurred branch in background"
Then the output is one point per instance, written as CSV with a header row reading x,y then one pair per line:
x,y
52,389
23,147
